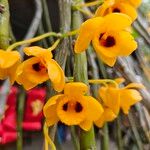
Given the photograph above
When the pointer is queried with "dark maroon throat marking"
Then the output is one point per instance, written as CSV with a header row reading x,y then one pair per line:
x,y
108,42
36,67
116,10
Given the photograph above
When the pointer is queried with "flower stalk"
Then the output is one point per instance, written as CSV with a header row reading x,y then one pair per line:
x,y
89,4
54,45
105,141
11,47
38,38
47,138
103,81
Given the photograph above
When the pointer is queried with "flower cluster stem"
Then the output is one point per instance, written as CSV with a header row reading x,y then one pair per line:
x,y
87,138
11,47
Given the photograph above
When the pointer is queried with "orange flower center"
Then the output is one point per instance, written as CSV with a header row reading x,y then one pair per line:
x,y
107,42
73,106
38,67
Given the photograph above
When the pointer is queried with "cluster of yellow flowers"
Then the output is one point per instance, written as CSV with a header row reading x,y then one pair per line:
x,y
74,107
109,32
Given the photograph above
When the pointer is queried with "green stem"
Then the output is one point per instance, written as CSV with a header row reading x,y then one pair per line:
x,y
21,101
4,24
105,143
87,138
80,68
75,138
103,81
11,47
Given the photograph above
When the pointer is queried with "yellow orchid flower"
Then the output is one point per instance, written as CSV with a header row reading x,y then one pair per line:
x,y
39,69
108,36
73,107
120,6
9,62
114,98
110,97
129,96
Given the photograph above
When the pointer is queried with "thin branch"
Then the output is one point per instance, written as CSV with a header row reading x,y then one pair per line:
x,y
3,95
135,131
34,24
47,19
141,32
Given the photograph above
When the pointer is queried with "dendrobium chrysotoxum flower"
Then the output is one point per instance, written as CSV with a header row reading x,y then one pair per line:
x,y
115,98
129,96
110,97
73,107
39,69
108,35
121,6
9,61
